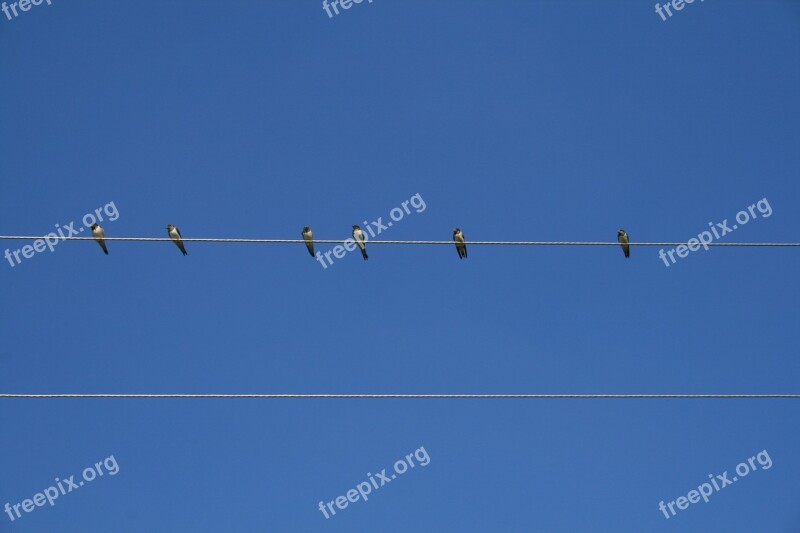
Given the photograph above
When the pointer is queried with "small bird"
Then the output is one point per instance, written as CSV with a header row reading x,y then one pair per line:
x,y
358,235
175,234
622,237
461,247
99,234
308,236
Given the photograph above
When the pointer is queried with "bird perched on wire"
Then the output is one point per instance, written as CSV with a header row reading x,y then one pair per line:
x,y
175,234
308,236
622,237
461,246
358,235
99,234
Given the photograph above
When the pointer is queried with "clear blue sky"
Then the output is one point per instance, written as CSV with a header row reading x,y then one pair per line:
x,y
513,121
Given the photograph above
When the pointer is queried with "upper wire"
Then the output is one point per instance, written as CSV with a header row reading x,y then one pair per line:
x,y
451,243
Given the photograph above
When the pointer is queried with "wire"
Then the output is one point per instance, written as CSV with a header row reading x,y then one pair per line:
x,y
450,243
416,396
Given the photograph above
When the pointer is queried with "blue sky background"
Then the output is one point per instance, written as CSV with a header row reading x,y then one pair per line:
x,y
513,121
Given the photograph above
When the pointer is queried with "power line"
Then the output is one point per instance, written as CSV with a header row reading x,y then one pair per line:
x,y
449,243
413,396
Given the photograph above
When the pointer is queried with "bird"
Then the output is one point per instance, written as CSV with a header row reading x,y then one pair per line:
x,y
99,234
175,234
622,237
358,235
461,246
308,236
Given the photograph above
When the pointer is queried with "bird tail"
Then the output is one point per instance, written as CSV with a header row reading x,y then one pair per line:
x,y
105,250
627,252
364,253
